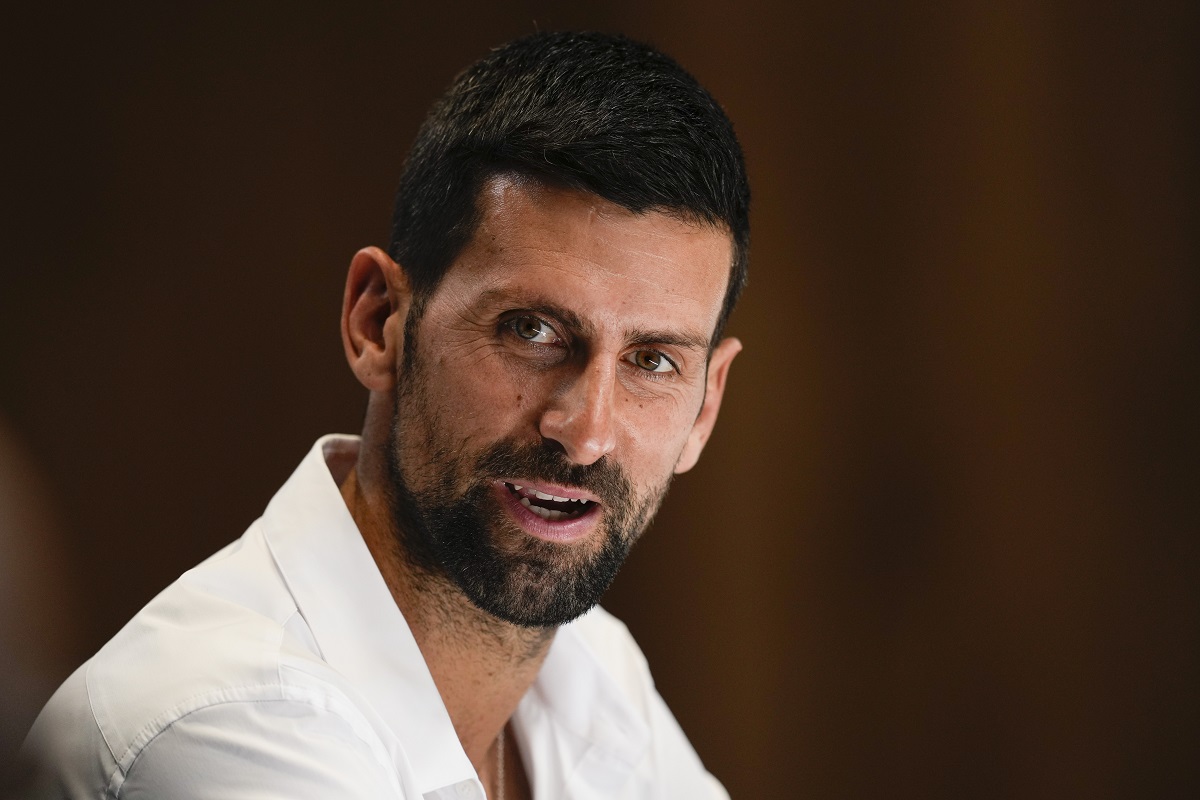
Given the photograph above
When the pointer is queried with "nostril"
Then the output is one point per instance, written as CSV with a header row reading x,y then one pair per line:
x,y
554,445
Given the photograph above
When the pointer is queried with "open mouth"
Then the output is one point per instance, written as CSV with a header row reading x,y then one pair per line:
x,y
550,507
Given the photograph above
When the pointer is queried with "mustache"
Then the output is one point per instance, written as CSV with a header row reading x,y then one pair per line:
x,y
546,461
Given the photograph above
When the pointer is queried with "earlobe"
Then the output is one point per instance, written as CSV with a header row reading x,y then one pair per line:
x,y
718,373
374,307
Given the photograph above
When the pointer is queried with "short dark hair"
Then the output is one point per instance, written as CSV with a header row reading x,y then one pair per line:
x,y
589,111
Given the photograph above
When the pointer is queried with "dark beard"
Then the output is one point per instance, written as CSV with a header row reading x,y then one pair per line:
x,y
532,583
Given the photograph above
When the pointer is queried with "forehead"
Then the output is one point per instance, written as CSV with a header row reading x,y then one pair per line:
x,y
583,252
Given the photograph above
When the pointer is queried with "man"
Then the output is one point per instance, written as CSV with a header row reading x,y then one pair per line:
x,y
414,614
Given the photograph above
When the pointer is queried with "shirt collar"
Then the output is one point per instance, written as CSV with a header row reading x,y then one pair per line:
x,y
362,634
355,621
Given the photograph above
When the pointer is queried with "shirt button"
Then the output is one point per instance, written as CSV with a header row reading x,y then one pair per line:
x,y
465,789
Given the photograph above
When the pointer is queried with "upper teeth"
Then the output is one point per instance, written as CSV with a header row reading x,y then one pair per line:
x,y
555,498
544,496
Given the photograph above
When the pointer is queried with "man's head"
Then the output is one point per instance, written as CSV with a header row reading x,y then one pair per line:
x,y
543,349
587,111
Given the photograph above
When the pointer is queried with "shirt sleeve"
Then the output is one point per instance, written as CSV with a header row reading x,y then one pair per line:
x,y
260,750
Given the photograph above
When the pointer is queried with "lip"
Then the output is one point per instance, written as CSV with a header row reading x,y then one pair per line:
x,y
553,488
563,530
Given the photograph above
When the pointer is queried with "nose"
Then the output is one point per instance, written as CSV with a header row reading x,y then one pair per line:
x,y
580,415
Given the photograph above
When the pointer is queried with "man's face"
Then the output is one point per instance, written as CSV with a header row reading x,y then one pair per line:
x,y
550,389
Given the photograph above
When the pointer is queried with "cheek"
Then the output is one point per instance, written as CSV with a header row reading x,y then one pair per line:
x,y
484,397
656,432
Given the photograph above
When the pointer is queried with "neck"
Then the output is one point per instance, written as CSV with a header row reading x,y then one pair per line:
x,y
482,666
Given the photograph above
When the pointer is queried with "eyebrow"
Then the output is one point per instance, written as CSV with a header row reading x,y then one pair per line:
x,y
690,340
687,340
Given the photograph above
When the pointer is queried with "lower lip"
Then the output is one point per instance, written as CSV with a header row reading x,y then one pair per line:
x,y
562,530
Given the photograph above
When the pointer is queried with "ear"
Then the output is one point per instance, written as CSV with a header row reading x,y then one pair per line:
x,y
374,308
718,372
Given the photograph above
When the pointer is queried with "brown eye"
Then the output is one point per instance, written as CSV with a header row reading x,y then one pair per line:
x,y
650,360
532,329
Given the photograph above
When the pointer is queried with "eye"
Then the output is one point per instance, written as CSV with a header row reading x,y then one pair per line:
x,y
650,360
532,329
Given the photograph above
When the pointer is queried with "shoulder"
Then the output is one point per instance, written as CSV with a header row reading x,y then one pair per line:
x,y
218,634
220,662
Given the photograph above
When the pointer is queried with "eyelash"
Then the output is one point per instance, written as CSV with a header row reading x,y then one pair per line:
x,y
510,325
653,374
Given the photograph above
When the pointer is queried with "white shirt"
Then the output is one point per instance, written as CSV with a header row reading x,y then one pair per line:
x,y
282,668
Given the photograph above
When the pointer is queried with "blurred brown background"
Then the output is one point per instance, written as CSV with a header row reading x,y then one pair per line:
x,y
944,543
